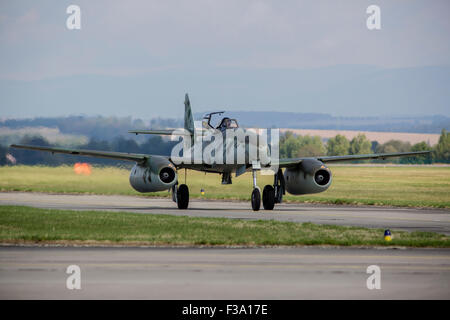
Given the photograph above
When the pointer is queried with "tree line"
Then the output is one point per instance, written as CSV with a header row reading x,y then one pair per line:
x,y
291,146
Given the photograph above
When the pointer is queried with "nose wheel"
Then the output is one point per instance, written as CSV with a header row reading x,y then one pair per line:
x,y
256,199
256,194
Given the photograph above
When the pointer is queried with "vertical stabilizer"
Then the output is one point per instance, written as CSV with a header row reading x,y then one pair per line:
x,y
188,119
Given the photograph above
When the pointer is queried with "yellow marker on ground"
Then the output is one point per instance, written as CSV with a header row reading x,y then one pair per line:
x,y
387,235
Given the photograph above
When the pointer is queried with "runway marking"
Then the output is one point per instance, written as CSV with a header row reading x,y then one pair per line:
x,y
255,266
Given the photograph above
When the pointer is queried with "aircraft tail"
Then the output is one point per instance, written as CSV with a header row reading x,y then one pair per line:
x,y
188,119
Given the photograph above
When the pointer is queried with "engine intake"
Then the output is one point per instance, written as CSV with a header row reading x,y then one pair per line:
x,y
167,174
322,177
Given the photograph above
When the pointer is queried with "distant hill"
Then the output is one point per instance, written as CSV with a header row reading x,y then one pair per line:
x,y
413,124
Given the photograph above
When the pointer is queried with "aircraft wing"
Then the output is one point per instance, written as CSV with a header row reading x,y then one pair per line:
x,y
293,162
91,153
283,163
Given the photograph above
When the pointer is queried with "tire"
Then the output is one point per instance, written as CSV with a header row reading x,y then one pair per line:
x,y
279,185
174,193
279,194
268,197
256,199
183,196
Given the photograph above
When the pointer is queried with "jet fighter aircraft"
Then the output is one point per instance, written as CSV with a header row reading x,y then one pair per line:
x,y
152,173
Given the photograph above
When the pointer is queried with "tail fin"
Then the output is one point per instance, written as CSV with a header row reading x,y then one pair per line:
x,y
188,119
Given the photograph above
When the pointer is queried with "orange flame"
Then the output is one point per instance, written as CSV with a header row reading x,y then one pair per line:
x,y
82,168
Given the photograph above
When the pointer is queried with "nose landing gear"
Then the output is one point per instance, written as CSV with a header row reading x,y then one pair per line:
x,y
256,194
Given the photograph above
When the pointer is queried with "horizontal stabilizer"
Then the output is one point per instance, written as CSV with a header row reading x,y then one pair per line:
x,y
175,132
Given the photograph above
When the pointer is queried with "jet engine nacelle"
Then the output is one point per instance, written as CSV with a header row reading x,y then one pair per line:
x,y
311,176
157,174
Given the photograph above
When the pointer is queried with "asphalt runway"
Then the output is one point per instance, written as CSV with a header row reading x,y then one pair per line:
x,y
406,219
223,273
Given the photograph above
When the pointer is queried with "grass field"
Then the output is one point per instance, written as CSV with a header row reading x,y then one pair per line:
x,y
396,186
31,225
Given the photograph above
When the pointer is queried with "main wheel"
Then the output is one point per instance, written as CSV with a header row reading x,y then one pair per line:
x,y
174,193
256,199
182,196
279,194
278,185
268,197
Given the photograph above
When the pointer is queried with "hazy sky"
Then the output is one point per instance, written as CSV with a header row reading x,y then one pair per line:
x,y
129,39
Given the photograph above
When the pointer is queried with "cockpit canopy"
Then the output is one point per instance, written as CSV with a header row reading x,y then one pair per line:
x,y
225,123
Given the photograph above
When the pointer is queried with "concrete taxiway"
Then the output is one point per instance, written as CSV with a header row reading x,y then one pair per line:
x,y
407,219
224,273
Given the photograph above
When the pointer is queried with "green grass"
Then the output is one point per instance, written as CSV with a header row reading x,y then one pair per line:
x,y
395,186
31,225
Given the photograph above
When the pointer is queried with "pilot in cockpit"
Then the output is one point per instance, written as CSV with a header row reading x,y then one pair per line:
x,y
225,124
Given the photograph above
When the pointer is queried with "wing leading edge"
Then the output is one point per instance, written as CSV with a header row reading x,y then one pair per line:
x,y
140,158
286,163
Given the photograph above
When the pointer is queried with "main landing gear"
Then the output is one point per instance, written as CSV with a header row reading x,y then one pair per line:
x,y
180,195
271,194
